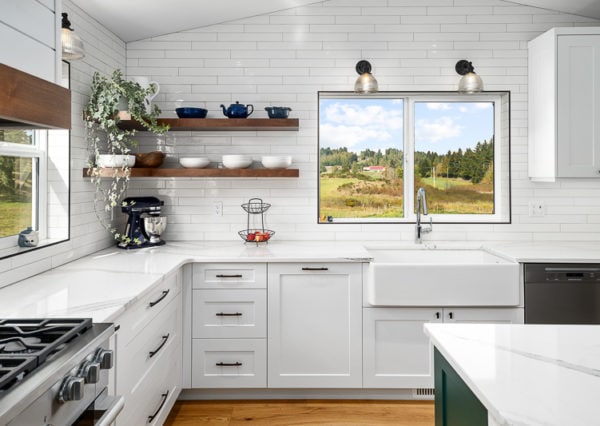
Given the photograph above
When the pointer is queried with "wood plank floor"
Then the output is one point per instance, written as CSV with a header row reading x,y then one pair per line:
x,y
302,412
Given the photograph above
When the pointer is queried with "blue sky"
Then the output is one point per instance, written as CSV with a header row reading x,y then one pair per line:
x,y
377,124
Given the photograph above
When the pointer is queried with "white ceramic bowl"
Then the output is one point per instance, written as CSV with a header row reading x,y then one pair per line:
x,y
110,160
237,161
194,162
276,161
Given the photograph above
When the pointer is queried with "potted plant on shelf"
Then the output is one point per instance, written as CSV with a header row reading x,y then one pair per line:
x,y
110,145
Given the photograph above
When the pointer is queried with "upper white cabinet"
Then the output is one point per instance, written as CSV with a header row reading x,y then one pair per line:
x,y
315,322
30,34
564,104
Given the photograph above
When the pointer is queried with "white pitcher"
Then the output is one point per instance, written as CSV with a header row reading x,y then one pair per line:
x,y
145,82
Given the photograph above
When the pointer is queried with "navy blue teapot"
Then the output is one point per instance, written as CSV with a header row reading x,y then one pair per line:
x,y
238,110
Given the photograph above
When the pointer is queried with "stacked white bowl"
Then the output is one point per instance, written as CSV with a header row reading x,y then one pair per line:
x,y
276,161
237,161
194,162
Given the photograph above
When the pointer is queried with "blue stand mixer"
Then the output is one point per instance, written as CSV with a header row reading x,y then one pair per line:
x,y
145,224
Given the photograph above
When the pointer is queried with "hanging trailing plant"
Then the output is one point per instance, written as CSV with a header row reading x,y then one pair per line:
x,y
109,94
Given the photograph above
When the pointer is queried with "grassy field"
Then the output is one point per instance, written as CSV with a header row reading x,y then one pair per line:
x,y
444,183
351,197
357,198
14,217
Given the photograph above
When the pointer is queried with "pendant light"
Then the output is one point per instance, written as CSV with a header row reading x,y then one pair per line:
x,y
470,82
72,46
365,83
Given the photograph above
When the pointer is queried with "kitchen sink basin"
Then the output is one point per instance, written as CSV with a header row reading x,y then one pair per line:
x,y
441,277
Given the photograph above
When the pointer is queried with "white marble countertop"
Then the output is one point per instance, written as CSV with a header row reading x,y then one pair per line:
x,y
103,285
527,374
548,251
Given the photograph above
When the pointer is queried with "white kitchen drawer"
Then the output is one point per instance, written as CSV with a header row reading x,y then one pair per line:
x,y
162,384
137,317
229,313
145,351
229,363
230,275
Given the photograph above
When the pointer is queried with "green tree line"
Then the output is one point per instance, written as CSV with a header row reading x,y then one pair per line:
x,y
11,168
476,164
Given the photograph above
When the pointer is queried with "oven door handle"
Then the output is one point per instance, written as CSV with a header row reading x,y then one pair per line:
x,y
115,405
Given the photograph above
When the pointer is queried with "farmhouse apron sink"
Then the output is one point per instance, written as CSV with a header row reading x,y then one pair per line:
x,y
441,277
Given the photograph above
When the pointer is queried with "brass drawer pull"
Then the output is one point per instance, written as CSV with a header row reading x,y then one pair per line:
x,y
228,364
223,314
162,296
315,269
164,399
154,352
229,276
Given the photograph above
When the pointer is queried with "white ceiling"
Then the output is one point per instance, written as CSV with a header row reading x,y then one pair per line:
x,y
587,8
139,19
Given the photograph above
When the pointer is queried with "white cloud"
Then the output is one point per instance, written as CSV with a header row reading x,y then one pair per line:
x,y
432,131
374,116
438,106
348,136
483,105
349,125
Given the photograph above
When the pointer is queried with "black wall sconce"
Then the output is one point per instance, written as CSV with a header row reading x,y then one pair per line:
x,y
365,83
470,82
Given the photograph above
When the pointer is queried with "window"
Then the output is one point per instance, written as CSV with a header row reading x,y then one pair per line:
x,y
376,150
34,184
22,192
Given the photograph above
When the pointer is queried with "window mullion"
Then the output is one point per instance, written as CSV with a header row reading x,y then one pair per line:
x,y
409,159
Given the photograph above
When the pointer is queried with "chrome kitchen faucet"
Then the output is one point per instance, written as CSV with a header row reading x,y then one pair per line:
x,y
421,204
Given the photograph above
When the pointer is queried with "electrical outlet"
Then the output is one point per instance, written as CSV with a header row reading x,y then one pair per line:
x,y
218,208
537,208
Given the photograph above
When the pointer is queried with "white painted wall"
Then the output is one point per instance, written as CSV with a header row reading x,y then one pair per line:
x,y
285,58
104,52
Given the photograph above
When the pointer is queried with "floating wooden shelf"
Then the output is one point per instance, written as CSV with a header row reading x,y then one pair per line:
x,y
234,173
219,124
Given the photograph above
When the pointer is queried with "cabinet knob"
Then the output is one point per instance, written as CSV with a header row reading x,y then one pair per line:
x,y
450,315
437,315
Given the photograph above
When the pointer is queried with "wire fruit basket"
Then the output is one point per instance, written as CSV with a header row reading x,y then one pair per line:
x,y
255,234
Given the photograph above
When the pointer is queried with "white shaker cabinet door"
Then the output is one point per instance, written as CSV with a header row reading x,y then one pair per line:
x,y
398,353
564,104
578,106
315,325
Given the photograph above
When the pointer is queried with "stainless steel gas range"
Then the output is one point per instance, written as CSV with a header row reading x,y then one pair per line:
x,y
55,372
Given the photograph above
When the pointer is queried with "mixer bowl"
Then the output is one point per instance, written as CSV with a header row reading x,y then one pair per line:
x,y
155,226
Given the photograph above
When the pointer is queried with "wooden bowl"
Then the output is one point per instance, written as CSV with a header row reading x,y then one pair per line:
x,y
149,159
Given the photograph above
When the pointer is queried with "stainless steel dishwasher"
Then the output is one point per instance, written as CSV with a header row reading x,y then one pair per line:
x,y
562,293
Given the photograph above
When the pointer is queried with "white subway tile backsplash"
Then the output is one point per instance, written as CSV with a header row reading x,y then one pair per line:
x,y
284,59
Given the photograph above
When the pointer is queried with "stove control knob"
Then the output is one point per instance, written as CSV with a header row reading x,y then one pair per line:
x,y
105,357
71,389
90,371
